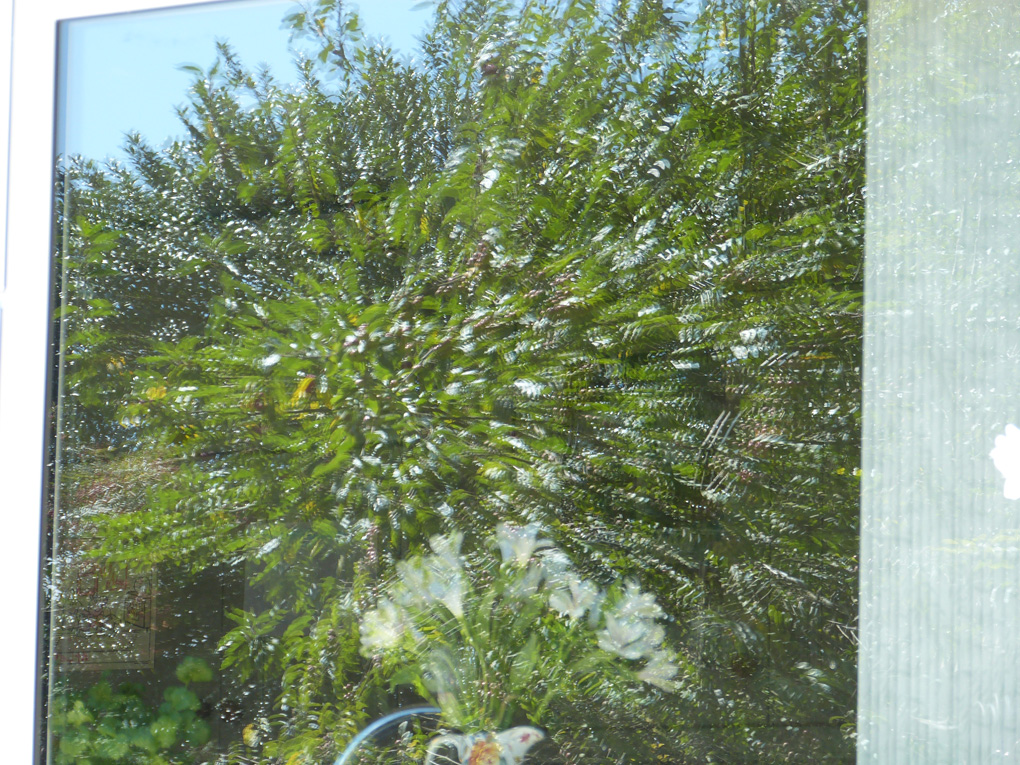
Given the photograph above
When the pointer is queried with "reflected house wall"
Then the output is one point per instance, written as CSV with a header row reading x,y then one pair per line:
x,y
108,620
940,559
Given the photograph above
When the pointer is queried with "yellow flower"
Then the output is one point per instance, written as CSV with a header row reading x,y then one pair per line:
x,y
484,753
301,391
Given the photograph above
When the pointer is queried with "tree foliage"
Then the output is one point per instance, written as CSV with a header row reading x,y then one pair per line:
x,y
591,267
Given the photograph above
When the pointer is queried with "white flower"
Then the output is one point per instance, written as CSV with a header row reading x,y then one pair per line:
x,y
1006,456
660,671
526,583
436,578
432,580
447,546
637,605
445,583
383,627
518,543
575,598
412,575
555,563
631,638
631,631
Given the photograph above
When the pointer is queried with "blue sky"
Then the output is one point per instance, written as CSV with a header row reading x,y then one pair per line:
x,y
123,71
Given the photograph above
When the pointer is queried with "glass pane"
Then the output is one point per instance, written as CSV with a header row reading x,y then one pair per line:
x,y
939,611
511,376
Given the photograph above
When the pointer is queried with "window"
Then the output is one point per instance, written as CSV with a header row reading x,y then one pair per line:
x,y
400,383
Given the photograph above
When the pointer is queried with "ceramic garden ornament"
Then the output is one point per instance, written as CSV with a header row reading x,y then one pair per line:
x,y
507,747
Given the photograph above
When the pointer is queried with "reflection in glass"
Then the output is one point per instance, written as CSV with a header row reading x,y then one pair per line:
x,y
519,379
939,607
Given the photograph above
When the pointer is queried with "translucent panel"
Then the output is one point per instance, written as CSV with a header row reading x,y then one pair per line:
x,y
511,378
939,607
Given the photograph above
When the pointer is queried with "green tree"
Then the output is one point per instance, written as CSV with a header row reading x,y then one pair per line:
x,y
592,268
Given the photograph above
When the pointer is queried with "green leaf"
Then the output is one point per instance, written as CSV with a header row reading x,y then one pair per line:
x,y
193,670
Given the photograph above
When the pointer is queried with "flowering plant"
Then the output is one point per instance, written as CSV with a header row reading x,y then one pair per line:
x,y
484,637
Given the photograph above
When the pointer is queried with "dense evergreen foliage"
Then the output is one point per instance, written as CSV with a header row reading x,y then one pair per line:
x,y
591,268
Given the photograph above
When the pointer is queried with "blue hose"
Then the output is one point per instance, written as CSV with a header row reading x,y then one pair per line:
x,y
380,724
